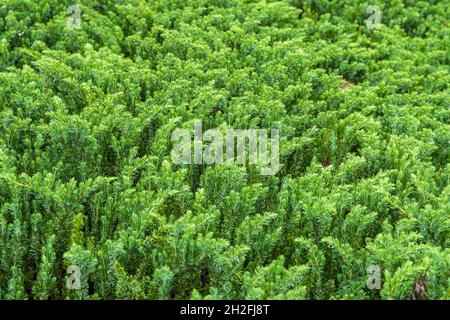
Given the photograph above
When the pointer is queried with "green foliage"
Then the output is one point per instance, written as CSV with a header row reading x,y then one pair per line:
x,y
45,282
86,177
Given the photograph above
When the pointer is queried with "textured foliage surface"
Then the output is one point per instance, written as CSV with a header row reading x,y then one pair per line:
x,y
86,176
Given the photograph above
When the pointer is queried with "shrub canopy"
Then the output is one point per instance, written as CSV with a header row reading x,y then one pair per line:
x,y
86,177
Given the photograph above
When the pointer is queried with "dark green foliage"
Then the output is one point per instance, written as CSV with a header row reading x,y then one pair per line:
x,y
86,178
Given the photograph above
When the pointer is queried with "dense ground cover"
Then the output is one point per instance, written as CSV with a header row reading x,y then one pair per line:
x,y
86,177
